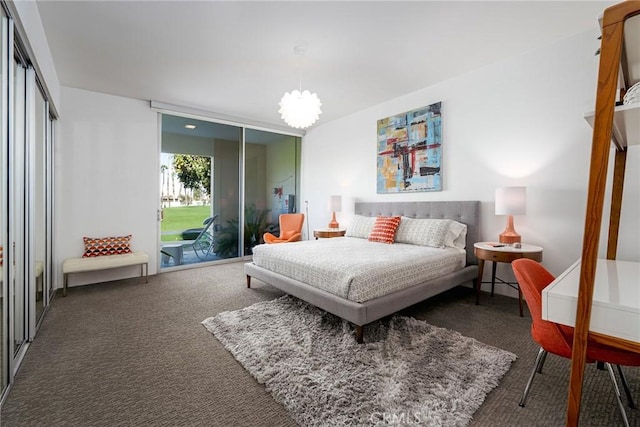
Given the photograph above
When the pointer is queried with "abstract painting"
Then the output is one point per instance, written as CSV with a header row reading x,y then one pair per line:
x,y
410,151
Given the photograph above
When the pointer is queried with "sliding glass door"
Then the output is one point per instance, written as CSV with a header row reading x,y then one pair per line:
x,y
272,161
240,179
199,191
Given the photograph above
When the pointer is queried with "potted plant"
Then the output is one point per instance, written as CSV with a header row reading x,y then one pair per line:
x,y
255,225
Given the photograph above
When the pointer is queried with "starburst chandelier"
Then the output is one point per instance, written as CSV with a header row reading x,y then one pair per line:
x,y
300,109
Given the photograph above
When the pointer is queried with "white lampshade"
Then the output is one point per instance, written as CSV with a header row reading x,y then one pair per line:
x,y
335,203
300,110
511,201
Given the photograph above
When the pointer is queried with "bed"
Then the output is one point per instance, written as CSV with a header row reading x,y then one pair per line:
x,y
363,303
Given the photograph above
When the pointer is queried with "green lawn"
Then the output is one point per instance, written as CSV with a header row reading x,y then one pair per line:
x,y
181,218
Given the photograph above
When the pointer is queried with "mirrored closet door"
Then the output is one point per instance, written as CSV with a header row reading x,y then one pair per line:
x,y
26,125
39,231
19,303
30,225
4,205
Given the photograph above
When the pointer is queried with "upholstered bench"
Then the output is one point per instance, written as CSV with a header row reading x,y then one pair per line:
x,y
105,262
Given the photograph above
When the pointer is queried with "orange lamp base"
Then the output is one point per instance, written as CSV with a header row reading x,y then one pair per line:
x,y
510,236
334,223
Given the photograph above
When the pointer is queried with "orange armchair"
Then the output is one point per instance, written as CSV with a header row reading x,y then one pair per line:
x,y
290,229
554,338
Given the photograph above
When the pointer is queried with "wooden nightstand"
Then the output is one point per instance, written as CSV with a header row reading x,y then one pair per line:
x,y
325,233
488,251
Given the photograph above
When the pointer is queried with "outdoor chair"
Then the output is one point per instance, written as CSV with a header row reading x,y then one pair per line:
x,y
203,244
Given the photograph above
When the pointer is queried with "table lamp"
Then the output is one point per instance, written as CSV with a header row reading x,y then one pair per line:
x,y
511,201
335,205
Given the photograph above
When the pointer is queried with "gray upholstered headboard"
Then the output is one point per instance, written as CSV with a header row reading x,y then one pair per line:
x,y
466,212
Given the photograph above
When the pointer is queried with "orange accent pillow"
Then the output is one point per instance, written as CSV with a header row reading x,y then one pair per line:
x,y
1,256
384,229
99,246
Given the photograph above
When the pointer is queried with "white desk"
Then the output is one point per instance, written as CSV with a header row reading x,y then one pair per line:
x,y
616,299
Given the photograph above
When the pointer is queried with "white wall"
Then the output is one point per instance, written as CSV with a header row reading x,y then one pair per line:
x,y
107,171
516,122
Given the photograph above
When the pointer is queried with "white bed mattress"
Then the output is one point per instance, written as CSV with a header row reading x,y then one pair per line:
x,y
355,268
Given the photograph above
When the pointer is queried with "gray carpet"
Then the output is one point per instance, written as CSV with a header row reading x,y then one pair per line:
x,y
129,353
406,371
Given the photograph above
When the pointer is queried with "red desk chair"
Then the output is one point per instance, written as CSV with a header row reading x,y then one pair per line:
x,y
290,229
558,339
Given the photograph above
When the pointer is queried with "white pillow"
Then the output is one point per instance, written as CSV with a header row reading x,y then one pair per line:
x,y
457,235
360,226
423,231
437,233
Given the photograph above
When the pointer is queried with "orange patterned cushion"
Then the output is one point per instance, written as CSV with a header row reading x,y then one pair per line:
x,y
384,230
98,246
1,256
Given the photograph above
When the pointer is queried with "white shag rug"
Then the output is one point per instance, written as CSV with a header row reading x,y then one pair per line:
x,y
407,372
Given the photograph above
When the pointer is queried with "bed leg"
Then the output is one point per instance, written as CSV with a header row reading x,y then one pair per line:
x,y
359,333
248,281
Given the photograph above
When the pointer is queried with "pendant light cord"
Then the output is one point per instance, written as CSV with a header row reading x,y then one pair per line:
x,y
299,51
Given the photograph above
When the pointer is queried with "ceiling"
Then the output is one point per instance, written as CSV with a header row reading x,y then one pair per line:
x,y
237,58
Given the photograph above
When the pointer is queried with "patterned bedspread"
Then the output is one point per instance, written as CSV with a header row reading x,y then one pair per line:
x,y
355,268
